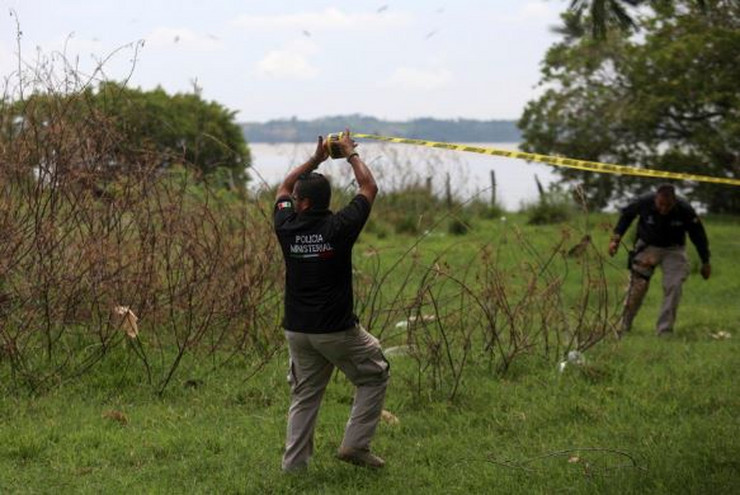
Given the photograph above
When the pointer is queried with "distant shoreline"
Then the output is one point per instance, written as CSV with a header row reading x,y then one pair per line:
x,y
452,130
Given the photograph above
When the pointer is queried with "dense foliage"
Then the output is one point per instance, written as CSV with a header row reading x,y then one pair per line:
x,y
180,129
603,15
665,98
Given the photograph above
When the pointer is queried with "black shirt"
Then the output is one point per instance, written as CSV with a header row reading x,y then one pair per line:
x,y
317,248
665,230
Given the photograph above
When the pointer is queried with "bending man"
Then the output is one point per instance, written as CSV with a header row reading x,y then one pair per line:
x,y
661,239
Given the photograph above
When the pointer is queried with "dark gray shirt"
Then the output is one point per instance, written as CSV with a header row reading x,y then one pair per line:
x,y
317,248
665,230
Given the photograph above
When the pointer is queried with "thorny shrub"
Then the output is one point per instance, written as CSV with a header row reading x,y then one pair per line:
x,y
90,223
509,299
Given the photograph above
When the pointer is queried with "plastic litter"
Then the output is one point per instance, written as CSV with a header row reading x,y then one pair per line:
x,y
399,350
721,335
389,418
125,319
573,357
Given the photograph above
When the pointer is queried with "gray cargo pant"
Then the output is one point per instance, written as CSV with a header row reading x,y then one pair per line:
x,y
312,360
675,265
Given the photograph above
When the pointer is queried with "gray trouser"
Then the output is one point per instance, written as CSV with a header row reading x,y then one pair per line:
x,y
675,265
312,360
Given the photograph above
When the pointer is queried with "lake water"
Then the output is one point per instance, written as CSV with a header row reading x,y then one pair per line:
x,y
399,165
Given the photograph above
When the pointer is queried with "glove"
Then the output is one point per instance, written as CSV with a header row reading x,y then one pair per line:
x,y
706,271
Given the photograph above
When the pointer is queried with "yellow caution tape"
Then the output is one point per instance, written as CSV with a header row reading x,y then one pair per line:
x,y
605,168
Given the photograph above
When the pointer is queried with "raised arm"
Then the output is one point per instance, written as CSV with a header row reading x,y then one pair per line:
x,y
364,177
318,157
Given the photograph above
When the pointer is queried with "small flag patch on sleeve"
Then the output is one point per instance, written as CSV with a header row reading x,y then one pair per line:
x,y
284,204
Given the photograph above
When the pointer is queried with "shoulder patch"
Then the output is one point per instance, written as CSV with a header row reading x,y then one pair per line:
x,y
284,204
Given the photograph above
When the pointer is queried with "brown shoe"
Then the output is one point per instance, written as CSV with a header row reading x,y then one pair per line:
x,y
362,458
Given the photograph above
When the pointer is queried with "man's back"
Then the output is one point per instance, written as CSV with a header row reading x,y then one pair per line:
x,y
317,248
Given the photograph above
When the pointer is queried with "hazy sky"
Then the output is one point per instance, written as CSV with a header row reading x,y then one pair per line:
x,y
277,59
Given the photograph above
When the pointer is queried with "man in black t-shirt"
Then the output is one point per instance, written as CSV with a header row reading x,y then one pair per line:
x,y
320,326
661,238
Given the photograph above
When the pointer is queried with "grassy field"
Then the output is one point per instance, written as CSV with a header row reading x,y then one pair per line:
x,y
642,415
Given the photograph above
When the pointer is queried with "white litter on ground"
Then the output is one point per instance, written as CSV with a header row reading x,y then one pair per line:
x,y
125,319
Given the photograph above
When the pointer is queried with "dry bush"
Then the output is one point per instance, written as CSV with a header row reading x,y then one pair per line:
x,y
90,222
510,300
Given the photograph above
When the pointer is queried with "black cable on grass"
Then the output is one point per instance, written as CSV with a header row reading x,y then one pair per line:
x,y
589,466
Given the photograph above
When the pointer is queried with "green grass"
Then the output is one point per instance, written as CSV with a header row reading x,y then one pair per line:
x,y
669,405
643,415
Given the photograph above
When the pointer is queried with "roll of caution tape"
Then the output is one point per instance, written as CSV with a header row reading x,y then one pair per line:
x,y
604,168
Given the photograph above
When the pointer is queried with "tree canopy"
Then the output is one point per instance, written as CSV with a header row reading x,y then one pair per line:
x,y
603,15
178,129
665,98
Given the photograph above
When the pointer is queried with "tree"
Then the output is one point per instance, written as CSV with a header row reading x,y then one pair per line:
x,y
604,15
666,100
174,129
